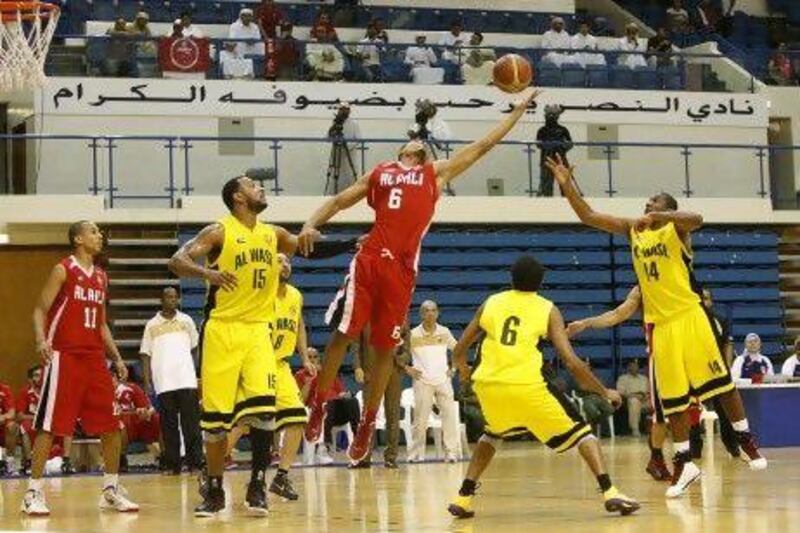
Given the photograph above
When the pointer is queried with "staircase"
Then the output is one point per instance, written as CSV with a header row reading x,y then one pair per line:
x,y
789,256
137,272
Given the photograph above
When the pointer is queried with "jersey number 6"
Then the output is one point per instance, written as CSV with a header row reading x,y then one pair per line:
x,y
509,335
395,198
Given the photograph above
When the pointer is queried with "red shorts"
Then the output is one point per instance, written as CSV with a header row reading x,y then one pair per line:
x,y
26,428
377,291
77,386
147,431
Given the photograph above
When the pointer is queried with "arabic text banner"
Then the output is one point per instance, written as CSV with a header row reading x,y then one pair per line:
x,y
156,97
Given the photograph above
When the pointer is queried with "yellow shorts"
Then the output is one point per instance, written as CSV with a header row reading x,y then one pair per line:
x,y
289,407
238,373
687,360
537,408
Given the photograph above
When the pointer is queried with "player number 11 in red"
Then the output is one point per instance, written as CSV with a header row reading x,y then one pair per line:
x,y
90,317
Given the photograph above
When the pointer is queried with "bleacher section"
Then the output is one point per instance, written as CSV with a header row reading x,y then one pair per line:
x,y
588,273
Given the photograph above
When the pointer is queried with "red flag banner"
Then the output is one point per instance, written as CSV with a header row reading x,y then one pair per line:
x,y
184,54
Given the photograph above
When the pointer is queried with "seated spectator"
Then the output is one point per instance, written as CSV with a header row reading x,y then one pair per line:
x,y
341,407
369,51
631,43
751,364
27,402
177,29
452,41
188,28
791,367
583,40
556,38
323,57
287,54
678,18
119,61
380,28
596,409
270,17
479,64
660,44
780,67
601,27
635,390
9,429
421,58
139,421
245,28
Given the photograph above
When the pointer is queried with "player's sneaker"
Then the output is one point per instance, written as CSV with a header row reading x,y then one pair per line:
x,y
66,467
750,452
461,507
213,501
616,502
322,456
34,504
316,420
256,500
282,486
26,468
360,447
115,499
657,468
684,473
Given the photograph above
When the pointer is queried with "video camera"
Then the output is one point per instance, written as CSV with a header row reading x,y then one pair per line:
x,y
336,131
424,111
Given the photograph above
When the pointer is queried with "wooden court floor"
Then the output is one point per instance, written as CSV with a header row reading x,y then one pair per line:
x,y
526,488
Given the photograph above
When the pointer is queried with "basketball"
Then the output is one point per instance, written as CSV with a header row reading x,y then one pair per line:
x,y
512,73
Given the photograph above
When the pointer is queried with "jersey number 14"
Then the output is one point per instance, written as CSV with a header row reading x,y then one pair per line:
x,y
651,271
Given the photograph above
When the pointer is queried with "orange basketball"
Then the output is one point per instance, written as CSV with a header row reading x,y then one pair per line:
x,y
512,73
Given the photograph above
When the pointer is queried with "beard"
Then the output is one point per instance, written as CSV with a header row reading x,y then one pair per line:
x,y
256,206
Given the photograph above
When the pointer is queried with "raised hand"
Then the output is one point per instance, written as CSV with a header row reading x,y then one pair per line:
x,y
576,328
306,239
561,172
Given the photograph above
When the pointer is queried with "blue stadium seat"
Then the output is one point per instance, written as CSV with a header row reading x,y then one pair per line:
x,y
548,76
622,78
573,76
597,76
647,78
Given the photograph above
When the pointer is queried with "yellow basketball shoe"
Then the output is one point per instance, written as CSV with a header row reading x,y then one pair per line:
x,y
461,507
616,502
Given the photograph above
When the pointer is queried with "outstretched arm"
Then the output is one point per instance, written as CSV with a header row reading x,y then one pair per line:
x,y
609,319
586,380
344,200
471,334
448,169
609,223
685,221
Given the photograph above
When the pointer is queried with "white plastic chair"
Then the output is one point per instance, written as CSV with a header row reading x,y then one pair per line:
x,y
407,403
708,418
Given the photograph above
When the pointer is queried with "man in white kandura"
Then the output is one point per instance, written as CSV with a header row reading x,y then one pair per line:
x,y
432,376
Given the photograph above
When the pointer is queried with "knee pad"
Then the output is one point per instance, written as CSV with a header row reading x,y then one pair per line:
x,y
215,435
494,442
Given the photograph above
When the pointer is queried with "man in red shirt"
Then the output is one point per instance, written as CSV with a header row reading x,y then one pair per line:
x,y
139,421
269,17
323,30
9,429
382,276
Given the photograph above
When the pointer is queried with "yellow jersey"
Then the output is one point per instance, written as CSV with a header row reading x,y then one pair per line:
x,y
514,323
251,256
288,309
663,266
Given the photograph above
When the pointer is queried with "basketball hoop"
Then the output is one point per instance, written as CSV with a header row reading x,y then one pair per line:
x,y
26,29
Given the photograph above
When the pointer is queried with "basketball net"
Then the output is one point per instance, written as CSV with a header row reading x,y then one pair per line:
x,y
26,29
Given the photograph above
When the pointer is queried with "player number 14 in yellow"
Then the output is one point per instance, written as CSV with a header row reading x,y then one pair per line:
x,y
651,271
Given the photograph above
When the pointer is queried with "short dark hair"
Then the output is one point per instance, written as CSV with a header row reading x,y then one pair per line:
x,y
33,369
670,200
230,188
527,274
74,230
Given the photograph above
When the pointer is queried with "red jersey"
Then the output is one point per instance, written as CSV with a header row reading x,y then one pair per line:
x,y
28,400
404,200
76,318
303,377
7,402
130,396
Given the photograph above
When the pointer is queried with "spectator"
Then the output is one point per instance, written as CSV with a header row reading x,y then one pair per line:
x,y
380,28
583,40
421,58
556,38
145,45
139,421
631,43
791,367
270,17
169,371
9,429
287,54
27,401
479,66
635,390
188,28
341,407
602,29
709,15
553,138
119,61
723,326
323,57
245,28
432,374
678,18
369,51
596,409
751,364
661,46
452,41
177,29
780,68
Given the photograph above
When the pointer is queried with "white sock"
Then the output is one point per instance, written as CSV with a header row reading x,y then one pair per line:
x,y
36,484
110,480
741,425
681,447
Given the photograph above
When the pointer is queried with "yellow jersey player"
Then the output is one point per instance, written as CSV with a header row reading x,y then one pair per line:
x,y
687,359
288,336
514,396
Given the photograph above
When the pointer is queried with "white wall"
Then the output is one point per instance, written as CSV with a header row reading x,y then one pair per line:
x,y
783,104
540,6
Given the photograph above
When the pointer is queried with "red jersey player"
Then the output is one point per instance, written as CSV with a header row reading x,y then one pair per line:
x,y
72,338
9,429
382,277
139,420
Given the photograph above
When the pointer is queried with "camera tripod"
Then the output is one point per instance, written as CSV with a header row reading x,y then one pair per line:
x,y
339,152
